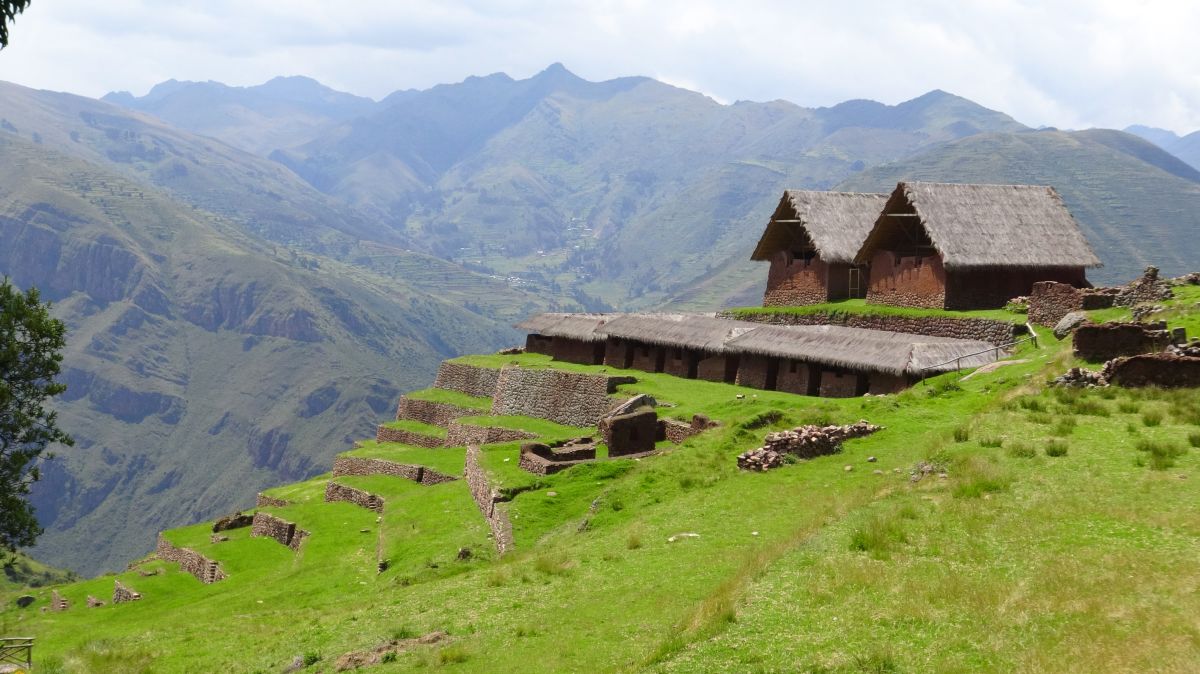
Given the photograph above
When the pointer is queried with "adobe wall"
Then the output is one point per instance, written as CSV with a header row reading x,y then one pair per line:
x,y
979,329
486,498
1157,369
794,377
836,384
992,288
569,398
792,282
335,492
263,501
882,383
354,465
576,351
461,435
385,434
752,371
469,379
204,569
1104,341
907,281
713,368
283,532
429,412
535,343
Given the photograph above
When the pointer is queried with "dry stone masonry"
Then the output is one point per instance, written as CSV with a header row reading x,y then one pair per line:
x,y
568,398
58,602
542,459
235,521
461,434
1104,341
468,379
93,602
335,492
431,412
264,501
981,329
204,569
1166,370
803,442
488,499
632,432
286,533
122,594
353,465
407,437
677,431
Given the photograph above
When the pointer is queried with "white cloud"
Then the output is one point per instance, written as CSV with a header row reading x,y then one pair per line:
x,y
1067,63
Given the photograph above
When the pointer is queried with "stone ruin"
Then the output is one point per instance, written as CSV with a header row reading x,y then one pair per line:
x,y
1050,300
804,442
1105,341
543,459
122,594
92,602
234,521
630,433
58,602
1080,377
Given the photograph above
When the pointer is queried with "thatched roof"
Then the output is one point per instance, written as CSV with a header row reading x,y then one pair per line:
x,y
837,223
857,349
694,331
571,326
989,225
831,345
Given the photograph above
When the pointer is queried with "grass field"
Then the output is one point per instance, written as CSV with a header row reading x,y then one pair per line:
x,y
1049,530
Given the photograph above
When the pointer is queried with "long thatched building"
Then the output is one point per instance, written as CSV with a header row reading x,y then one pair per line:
x,y
950,246
811,242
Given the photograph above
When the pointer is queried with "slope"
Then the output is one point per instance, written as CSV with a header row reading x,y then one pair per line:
x,y
1133,212
202,362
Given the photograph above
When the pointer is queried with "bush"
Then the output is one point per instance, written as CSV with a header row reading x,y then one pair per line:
x,y
1022,451
452,655
1032,404
1128,407
1064,427
311,659
1162,454
1088,407
390,656
1056,448
1152,418
962,434
979,477
1194,439
991,442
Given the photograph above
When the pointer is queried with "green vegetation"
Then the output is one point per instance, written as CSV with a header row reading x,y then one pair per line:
x,y
861,307
416,427
440,395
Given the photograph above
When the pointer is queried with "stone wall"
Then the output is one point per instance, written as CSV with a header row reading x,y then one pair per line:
x,y
264,501
907,281
1050,301
577,351
648,358
237,520
839,384
795,377
542,459
385,434
354,465
122,594
469,379
1104,341
752,371
335,492
630,433
568,398
58,602
717,368
981,329
487,499
433,413
992,288
204,569
677,431
792,282
461,434
286,533
1157,369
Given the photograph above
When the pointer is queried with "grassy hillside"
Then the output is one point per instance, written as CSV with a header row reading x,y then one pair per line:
x,y
993,525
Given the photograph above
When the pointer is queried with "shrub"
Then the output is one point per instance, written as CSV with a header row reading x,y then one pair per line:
x,y
452,655
1162,454
1040,418
633,542
1032,404
962,434
1128,407
311,659
1194,439
1022,451
979,477
1064,427
1089,407
1152,418
552,564
991,442
390,656
1056,448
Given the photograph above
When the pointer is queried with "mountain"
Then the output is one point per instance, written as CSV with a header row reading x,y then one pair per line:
x,y
282,112
1186,148
1136,203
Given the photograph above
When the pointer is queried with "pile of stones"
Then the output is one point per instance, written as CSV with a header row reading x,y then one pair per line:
x,y
804,442
1079,377
1191,350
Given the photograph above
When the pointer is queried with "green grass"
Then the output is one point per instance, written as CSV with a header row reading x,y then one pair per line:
x,y
448,460
441,395
1014,561
861,307
416,427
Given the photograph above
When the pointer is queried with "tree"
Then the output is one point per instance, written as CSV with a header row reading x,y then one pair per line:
x,y
9,9
31,342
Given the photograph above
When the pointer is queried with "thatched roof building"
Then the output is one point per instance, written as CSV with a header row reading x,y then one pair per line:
x,y
811,242
701,332
971,246
580,326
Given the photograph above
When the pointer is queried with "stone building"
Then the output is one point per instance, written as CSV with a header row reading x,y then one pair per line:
x,y
566,337
948,246
811,242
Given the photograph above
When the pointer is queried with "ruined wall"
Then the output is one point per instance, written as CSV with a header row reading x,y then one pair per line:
x,y
981,329
204,569
385,434
486,498
677,431
354,465
264,501
435,413
1104,341
461,435
792,282
907,281
1049,301
469,379
630,433
1157,369
335,492
122,594
286,533
568,398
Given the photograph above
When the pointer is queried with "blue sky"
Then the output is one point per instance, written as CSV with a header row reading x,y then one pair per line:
x,y
1065,63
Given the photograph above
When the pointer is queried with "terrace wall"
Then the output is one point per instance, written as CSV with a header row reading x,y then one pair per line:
x,y
429,412
469,379
569,398
335,492
486,498
204,569
354,465
461,435
385,434
286,533
1156,369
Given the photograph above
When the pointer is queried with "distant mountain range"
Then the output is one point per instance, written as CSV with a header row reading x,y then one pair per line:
x,y
252,274
1186,147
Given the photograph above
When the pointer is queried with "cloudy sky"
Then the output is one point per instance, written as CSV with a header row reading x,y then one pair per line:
x,y
1065,63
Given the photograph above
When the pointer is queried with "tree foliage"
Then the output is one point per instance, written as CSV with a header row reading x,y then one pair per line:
x,y
9,9
31,342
